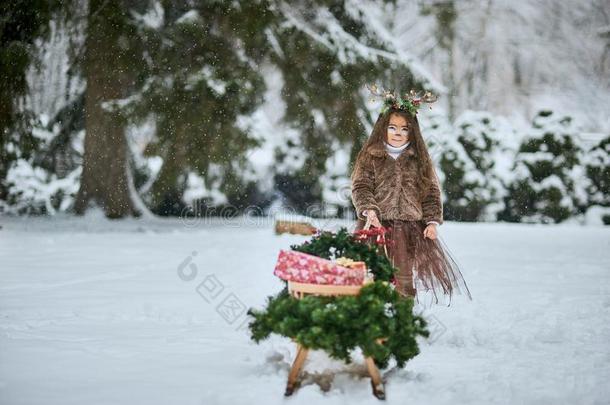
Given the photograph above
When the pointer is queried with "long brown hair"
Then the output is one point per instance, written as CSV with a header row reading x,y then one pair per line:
x,y
379,136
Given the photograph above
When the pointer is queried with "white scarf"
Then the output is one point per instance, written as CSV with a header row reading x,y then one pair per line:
x,y
395,151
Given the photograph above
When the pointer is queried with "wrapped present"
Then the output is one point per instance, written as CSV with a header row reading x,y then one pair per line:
x,y
305,268
352,264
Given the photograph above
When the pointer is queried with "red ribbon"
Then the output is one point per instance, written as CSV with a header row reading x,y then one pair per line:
x,y
379,233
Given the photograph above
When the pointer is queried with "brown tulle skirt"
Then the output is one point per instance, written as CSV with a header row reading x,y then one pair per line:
x,y
424,265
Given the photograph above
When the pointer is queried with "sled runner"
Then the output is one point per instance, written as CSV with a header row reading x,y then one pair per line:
x,y
299,290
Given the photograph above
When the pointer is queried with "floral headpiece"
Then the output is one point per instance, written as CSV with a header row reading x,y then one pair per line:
x,y
411,101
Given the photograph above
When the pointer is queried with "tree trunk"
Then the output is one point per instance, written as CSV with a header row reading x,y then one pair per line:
x,y
104,178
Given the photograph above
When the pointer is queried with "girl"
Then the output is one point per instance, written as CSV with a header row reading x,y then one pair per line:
x,y
394,185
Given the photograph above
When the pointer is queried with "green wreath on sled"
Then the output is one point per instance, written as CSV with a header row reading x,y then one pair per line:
x,y
340,324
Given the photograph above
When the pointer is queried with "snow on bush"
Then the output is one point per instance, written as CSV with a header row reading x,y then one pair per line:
x,y
550,182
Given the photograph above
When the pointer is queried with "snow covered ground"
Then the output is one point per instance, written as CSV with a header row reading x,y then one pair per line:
x,y
94,311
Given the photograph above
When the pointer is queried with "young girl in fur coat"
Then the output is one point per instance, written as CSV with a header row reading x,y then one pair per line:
x,y
394,185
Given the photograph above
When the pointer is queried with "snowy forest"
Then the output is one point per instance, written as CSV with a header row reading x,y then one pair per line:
x,y
186,216
182,108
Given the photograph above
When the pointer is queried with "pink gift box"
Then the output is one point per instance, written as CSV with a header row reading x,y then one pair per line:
x,y
305,268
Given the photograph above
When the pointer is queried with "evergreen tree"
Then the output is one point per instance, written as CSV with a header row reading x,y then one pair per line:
x,y
549,181
478,133
463,183
199,79
21,24
597,166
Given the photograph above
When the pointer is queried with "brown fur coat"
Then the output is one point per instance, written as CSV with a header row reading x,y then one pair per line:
x,y
389,186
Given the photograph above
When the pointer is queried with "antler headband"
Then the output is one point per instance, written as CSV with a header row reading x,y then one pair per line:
x,y
411,101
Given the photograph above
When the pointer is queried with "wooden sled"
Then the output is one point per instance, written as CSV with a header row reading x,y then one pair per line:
x,y
299,290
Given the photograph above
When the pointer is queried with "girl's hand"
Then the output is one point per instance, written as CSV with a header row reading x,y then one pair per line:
x,y
372,218
430,231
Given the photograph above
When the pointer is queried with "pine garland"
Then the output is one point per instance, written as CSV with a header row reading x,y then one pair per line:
x,y
338,325
329,245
